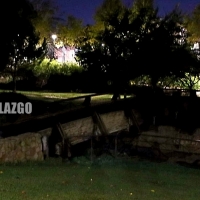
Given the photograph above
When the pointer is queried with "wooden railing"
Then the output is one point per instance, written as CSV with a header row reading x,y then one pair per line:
x,y
87,98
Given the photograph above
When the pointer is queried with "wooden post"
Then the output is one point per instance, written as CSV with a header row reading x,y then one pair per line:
x,y
134,120
154,120
115,146
91,149
87,101
176,115
100,124
69,154
97,119
64,140
45,146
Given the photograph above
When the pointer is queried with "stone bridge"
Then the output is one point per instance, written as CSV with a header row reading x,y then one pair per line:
x,y
29,140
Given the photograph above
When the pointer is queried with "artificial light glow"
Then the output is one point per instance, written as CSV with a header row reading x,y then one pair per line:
x,y
54,36
196,45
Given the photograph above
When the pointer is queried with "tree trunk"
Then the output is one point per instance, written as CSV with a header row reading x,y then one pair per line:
x,y
14,79
116,93
115,96
154,81
192,93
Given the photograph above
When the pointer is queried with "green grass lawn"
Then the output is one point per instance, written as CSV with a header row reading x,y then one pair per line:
x,y
45,95
60,95
109,180
48,95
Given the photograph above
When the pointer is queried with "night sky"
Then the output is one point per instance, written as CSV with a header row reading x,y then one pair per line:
x,y
85,9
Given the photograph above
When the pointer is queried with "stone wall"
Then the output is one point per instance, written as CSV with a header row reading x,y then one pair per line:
x,y
169,142
164,140
33,146
25,147
115,121
79,129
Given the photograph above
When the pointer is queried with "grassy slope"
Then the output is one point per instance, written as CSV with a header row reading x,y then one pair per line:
x,y
52,95
100,181
58,95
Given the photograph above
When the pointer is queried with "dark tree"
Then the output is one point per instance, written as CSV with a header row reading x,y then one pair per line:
x,y
162,48
102,49
129,42
20,40
192,23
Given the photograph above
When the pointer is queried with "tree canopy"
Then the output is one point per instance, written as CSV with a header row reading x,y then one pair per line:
x,y
192,23
124,43
45,20
70,31
20,40
135,41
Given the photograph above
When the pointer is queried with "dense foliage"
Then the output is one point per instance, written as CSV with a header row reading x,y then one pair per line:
x,y
125,45
20,40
